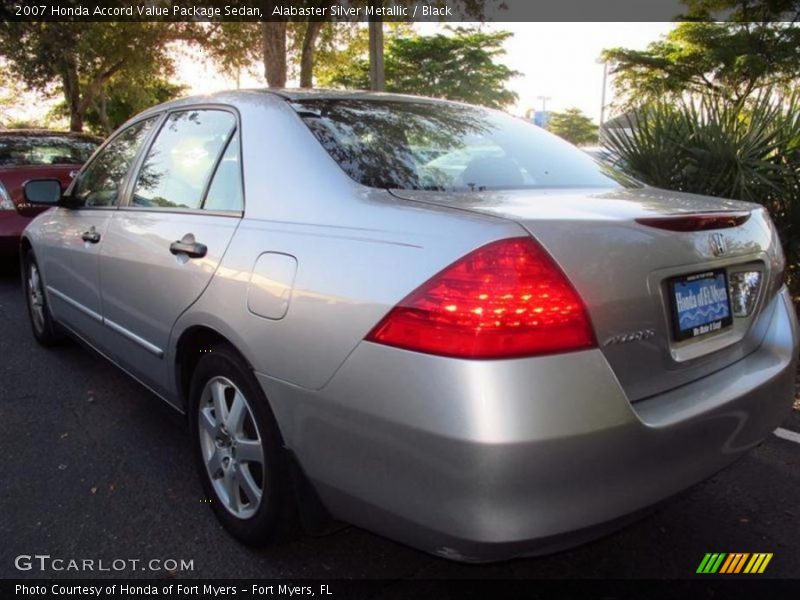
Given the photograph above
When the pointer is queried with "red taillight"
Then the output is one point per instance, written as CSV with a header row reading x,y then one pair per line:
x,y
505,299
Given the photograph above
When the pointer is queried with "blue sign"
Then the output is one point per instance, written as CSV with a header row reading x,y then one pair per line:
x,y
541,118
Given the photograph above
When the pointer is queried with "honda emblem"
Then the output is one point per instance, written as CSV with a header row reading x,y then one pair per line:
x,y
718,245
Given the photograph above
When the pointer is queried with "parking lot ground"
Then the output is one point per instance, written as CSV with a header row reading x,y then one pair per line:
x,y
94,466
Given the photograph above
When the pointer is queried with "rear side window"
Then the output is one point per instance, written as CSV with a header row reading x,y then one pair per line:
x,y
99,185
446,147
180,163
225,191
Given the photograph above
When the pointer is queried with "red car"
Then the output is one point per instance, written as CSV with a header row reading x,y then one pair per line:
x,y
33,154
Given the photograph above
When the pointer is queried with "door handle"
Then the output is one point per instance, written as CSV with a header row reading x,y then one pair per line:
x,y
188,246
91,236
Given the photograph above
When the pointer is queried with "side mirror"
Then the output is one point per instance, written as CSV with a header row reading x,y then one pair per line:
x,y
42,192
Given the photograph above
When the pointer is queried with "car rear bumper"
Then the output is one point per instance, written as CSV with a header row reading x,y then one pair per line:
x,y
11,226
487,460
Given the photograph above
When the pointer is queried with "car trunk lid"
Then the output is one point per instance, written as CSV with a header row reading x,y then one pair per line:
x,y
620,254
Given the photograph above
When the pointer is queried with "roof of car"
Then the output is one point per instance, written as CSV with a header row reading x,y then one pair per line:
x,y
291,95
280,95
48,133
296,95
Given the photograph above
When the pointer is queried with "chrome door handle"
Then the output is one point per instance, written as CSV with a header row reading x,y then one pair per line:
x,y
91,236
188,246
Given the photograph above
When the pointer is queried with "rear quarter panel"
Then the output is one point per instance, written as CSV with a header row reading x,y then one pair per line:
x,y
359,251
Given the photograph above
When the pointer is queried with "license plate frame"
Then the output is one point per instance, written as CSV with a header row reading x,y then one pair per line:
x,y
692,318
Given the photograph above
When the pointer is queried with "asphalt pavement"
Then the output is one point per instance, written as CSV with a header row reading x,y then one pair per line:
x,y
95,467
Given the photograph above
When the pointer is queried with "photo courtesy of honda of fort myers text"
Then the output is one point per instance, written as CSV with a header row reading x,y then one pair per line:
x,y
399,299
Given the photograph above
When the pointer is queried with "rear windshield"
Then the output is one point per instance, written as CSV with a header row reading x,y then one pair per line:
x,y
447,147
25,150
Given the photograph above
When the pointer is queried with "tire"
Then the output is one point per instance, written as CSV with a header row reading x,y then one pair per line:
x,y
44,328
241,461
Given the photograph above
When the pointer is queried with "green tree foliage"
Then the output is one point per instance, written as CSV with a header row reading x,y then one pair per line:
x,y
751,51
787,11
122,98
747,150
9,92
573,126
285,44
79,60
286,49
345,57
233,46
463,66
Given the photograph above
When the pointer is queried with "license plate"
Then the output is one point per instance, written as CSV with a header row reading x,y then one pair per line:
x,y
700,304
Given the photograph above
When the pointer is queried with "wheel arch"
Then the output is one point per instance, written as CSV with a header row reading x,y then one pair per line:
x,y
193,342
25,246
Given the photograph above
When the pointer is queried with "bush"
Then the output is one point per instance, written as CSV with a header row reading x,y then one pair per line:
x,y
747,150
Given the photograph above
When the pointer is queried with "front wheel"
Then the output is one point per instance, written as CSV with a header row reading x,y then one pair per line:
x,y
239,451
44,329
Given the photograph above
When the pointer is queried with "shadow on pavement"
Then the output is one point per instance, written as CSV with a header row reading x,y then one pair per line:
x,y
9,270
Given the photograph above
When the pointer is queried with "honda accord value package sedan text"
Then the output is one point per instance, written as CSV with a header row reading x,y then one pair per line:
x,y
431,320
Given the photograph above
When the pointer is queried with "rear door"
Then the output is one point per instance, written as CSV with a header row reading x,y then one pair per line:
x,y
164,244
74,236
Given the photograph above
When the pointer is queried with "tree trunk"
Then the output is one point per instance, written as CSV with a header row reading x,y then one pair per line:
x,y
101,106
72,94
307,56
79,99
273,43
76,122
377,75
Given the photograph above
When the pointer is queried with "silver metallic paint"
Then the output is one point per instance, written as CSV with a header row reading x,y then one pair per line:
x,y
494,460
271,285
473,460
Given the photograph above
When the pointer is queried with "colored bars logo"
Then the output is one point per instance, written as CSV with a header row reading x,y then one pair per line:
x,y
736,562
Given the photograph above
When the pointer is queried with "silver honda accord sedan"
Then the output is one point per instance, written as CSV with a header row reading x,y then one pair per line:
x,y
431,320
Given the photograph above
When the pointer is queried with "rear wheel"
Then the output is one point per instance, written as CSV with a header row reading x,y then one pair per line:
x,y
44,329
239,452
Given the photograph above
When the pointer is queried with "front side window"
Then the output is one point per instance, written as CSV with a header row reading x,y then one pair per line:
x,y
99,185
446,147
179,165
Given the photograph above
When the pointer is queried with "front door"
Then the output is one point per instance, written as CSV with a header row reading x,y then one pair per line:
x,y
76,235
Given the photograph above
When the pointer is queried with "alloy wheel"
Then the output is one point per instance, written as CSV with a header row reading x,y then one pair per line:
x,y
36,297
232,447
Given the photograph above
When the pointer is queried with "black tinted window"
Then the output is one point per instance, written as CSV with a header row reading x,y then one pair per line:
x,y
225,191
445,147
23,150
99,184
182,159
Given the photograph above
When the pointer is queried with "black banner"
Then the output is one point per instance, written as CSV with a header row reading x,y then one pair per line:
x,y
700,588
365,10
